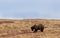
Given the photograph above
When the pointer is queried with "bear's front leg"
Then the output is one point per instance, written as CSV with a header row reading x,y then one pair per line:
x,y
35,30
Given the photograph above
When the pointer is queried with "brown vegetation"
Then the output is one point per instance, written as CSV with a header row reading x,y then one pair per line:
x,y
21,28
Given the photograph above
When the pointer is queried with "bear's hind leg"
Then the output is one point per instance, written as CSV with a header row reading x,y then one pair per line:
x,y
42,29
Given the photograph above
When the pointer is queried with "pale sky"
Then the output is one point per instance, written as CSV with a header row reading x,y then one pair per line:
x,y
30,9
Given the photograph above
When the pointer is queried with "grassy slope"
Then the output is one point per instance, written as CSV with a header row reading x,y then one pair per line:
x,y
21,28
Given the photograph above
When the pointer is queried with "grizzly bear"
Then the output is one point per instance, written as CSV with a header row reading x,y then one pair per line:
x,y
35,27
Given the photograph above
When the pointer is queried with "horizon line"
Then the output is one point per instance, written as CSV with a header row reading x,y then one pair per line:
x,y
31,18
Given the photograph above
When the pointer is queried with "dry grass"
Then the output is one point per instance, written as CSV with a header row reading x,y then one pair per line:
x,y
21,28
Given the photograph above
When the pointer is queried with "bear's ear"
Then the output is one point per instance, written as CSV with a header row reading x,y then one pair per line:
x,y
35,25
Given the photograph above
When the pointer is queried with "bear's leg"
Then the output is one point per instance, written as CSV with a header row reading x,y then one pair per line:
x,y
35,30
32,28
42,29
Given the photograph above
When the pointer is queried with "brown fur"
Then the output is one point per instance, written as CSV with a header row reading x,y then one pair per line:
x,y
35,27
